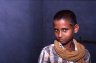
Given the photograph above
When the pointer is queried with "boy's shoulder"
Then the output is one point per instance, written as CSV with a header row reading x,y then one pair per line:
x,y
48,47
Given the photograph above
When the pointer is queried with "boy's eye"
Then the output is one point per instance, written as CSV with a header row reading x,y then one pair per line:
x,y
55,30
64,30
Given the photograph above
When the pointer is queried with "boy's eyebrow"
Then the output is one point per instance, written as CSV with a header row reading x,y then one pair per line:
x,y
55,28
65,28
61,28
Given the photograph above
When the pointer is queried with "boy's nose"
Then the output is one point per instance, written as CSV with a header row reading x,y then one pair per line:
x,y
60,34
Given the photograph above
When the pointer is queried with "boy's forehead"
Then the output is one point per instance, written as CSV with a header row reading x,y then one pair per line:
x,y
62,22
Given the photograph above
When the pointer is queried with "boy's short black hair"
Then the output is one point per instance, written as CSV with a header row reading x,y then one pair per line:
x,y
66,14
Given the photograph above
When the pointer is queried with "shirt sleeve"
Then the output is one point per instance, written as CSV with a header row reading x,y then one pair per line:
x,y
43,58
87,57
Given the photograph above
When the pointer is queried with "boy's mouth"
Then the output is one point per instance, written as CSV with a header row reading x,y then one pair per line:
x,y
60,40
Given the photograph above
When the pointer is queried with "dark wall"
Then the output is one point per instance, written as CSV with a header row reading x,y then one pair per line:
x,y
20,31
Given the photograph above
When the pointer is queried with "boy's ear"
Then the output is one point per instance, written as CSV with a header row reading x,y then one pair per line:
x,y
76,28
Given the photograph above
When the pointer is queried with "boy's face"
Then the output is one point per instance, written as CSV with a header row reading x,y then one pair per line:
x,y
64,31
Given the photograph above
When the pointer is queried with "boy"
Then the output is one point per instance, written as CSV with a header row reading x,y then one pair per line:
x,y
65,48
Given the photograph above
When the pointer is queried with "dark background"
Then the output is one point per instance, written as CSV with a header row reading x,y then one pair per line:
x,y
26,27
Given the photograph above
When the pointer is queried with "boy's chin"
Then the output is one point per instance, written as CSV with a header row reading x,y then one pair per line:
x,y
63,42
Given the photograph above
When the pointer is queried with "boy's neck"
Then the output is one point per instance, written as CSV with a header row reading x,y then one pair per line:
x,y
70,46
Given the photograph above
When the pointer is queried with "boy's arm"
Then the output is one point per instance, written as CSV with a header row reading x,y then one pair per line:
x,y
43,58
87,57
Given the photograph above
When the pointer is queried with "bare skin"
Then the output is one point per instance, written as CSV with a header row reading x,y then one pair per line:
x,y
64,33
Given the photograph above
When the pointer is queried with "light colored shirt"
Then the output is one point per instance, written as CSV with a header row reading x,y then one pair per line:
x,y
49,55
